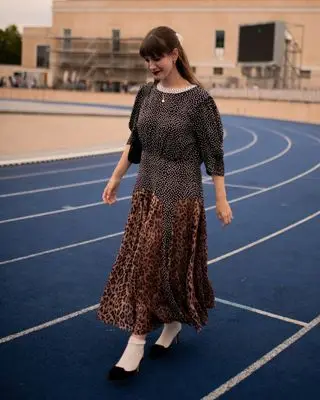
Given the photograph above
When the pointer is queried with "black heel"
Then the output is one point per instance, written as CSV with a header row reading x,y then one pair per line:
x,y
157,351
120,374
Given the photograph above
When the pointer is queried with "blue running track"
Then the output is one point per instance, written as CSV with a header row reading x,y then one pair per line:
x,y
58,244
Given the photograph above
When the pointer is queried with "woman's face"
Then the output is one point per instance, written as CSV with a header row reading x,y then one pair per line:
x,y
161,67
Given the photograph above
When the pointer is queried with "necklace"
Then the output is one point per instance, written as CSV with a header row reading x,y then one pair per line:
x,y
164,90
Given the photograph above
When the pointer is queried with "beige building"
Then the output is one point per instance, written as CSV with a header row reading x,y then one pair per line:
x,y
94,43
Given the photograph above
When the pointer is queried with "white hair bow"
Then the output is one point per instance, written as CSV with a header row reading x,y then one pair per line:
x,y
180,38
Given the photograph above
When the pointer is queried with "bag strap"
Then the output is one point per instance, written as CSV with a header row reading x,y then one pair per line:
x,y
148,89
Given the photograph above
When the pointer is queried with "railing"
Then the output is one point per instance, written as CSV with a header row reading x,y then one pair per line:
x,y
306,96
102,46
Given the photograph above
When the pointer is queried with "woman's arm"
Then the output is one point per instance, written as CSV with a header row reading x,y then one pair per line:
x,y
109,195
123,165
223,210
220,188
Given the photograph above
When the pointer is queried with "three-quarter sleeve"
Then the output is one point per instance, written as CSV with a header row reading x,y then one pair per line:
x,y
209,133
135,112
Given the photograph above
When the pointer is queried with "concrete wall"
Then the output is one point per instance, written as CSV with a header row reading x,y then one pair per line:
x,y
295,111
24,136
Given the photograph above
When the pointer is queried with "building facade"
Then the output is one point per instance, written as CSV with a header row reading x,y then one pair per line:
x,y
95,43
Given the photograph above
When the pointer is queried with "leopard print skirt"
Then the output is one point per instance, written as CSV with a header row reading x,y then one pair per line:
x,y
160,273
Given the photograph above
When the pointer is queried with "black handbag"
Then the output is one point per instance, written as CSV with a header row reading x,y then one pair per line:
x,y
134,155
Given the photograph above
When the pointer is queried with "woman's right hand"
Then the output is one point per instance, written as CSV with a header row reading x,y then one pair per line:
x,y
109,195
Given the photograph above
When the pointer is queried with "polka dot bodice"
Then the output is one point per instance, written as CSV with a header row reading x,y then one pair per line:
x,y
178,129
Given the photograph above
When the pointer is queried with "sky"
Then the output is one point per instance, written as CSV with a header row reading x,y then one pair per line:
x,y
25,13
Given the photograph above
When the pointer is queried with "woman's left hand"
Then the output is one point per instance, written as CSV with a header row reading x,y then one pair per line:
x,y
224,212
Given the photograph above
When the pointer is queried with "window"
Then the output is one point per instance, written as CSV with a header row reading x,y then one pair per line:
x,y
43,56
305,73
220,39
115,39
217,71
67,33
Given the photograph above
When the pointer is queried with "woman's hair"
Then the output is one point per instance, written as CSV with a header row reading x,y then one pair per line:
x,y
162,40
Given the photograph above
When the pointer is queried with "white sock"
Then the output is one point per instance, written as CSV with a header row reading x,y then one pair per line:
x,y
132,355
169,332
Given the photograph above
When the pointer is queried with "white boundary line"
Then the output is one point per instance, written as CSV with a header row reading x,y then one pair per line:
x,y
246,147
30,216
257,311
58,171
98,203
6,195
303,134
268,160
265,238
262,361
67,156
47,324
273,186
116,234
215,260
70,246
59,157
48,189
206,182
32,174
75,314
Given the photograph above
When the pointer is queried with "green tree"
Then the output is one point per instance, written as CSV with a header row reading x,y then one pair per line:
x,y
10,45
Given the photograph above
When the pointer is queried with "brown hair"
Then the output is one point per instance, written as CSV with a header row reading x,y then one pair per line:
x,y
162,40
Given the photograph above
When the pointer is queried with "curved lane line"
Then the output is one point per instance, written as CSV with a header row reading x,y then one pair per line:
x,y
12,260
215,260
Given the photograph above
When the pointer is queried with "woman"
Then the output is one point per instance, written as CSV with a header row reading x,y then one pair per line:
x,y
160,274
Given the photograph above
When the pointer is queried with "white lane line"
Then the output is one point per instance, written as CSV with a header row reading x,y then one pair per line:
x,y
12,260
102,165
232,185
68,209
265,238
50,323
61,187
59,157
6,195
75,314
245,187
58,171
247,146
255,138
70,246
98,203
47,324
268,160
262,361
314,168
302,134
258,311
252,143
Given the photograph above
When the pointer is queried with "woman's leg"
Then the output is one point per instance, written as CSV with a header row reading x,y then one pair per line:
x,y
133,353
169,332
